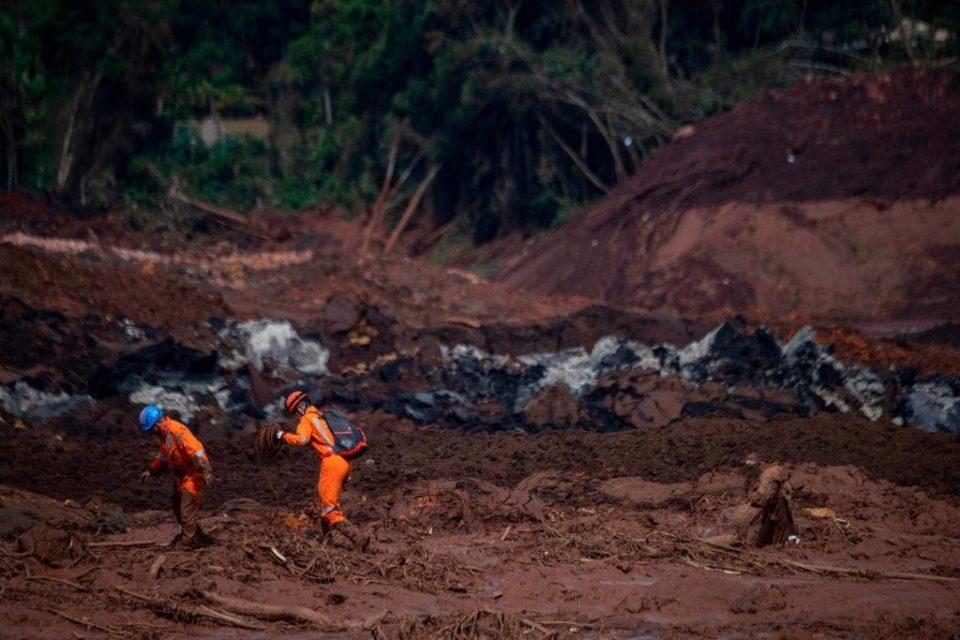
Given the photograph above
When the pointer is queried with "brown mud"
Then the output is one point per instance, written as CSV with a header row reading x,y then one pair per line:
x,y
484,531
834,202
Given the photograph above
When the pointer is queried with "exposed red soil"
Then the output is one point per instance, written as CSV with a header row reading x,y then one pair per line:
x,y
562,533
77,286
835,202
550,540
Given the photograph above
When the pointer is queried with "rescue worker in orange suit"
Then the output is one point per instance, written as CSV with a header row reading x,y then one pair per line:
x,y
181,450
312,430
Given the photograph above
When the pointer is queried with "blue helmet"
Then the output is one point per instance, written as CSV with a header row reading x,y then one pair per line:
x,y
150,415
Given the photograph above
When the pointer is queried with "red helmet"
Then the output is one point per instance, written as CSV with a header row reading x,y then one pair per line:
x,y
295,399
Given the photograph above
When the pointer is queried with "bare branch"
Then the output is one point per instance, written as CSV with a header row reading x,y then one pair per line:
x,y
411,208
577,160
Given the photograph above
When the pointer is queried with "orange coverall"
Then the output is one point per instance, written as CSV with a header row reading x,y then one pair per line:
x,y
334,469
181,450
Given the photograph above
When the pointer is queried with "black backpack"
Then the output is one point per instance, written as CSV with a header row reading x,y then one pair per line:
x,y
349,440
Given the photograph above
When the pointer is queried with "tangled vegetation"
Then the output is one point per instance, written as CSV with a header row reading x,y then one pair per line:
x,y
503,115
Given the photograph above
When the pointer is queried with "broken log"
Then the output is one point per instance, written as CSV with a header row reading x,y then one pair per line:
x,y
866,573
424,243
176,610
272,611
219,212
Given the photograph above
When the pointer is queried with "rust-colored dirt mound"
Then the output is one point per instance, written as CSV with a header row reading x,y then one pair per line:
x,y
76,286
837,200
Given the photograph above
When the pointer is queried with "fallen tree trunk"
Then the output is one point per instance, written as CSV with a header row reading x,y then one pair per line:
x,y
182,611
226,214
272,611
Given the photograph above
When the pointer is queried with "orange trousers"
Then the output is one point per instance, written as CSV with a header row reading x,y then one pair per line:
x,y
334,471
190,482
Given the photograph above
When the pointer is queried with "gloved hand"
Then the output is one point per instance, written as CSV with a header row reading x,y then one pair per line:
x,y
208,478
145,476
279,435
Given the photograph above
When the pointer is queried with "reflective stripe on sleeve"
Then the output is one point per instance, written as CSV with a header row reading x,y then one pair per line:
x,y
326,439
199,454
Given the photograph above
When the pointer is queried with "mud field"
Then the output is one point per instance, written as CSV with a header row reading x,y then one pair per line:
x,y
540,466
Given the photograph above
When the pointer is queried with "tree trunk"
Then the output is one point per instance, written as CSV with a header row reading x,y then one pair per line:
x,y
717,5
664,32
327,105
65,166
10,143
905,35
377,211
411,208
80,121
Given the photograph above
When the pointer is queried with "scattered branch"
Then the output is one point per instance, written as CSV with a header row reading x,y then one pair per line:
x,y
86,624
272,611
157,566
181,611
69,583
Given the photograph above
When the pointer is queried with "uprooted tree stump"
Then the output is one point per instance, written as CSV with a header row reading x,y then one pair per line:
x,y
772,497
52,545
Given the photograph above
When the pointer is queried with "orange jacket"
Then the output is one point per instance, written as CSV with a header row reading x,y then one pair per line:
x,y
179,449
312,430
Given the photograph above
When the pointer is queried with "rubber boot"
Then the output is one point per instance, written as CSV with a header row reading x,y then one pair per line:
x,y
204,538
350,536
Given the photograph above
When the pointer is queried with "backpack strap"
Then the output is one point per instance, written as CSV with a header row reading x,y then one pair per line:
x,y
323,435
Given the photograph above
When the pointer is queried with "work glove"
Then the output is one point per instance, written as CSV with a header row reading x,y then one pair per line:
x,y
145,476
208,478
279,435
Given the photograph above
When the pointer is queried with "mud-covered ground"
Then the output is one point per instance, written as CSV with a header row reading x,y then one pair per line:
x,y
539,466
496,536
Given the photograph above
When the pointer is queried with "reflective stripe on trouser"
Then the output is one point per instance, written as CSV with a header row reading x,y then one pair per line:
x,y
334,470
186,507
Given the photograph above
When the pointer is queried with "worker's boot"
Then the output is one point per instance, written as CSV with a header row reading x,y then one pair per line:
x,y
349,536
203,538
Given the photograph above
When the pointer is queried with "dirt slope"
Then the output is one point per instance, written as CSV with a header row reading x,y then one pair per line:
x,y
837,200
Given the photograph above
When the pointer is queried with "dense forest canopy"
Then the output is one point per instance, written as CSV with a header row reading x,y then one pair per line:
x,y
504,115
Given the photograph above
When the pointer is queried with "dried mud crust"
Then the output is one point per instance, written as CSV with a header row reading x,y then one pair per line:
x,y
460,558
